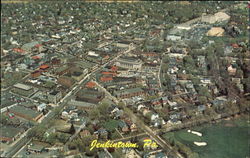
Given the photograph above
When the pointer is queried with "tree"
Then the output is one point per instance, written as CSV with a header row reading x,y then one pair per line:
x,y
202,99
103,108
94,114
4,119
72,129
37,132
52,138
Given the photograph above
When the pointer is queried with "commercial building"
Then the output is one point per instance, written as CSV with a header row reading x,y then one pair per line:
x,y
54,96
22,89
128,93
90,96
26,113
9,134
129,63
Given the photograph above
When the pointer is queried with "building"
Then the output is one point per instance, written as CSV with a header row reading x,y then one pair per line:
x,y
28,46
41,107
9,134
22,89
216,31
90,84
129,63
37,147
231,70
106,78
26,113
129,93
81,104
217,17
123,126
44,67
35,74
90,96
54,96
85,133
78,75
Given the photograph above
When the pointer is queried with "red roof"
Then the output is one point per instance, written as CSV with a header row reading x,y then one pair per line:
x,y
38,45
45,66
234,45
108,73
36,57
90,84
106,57
105,79
19,50
114,68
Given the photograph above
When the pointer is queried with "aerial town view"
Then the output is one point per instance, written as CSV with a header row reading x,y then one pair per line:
x,y
130,79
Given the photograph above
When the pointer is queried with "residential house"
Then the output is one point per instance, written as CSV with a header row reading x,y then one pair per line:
x,y
231,70
123,126
84,133
101,133
201,109
35,74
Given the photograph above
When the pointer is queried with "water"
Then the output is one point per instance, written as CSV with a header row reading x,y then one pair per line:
x,y
226,139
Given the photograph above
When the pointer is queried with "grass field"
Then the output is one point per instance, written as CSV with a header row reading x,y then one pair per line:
x,y
227,139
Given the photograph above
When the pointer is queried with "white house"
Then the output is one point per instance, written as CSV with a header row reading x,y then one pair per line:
x,y
41,107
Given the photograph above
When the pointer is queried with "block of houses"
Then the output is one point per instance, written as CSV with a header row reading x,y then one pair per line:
x,y
26,113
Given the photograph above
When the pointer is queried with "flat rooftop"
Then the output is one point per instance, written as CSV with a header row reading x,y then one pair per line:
x,y
22,86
